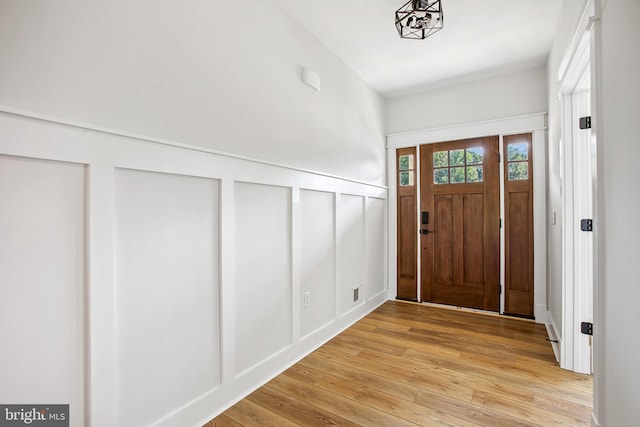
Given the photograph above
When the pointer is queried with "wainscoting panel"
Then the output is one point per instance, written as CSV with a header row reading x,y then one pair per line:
x,y
318,260
351,251
167,287
263,273
166,281
376,247
43,283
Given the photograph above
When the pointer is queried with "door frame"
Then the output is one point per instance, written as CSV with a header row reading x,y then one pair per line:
x,y
536,124
576,75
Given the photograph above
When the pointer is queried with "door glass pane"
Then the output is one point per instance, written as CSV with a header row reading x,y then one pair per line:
x,y
406,162
441,176
406,179
474,155
457,175
518,171
474,174
440,159
456,158
517,152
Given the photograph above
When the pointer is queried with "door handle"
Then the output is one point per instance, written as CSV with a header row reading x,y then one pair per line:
x,y
425,231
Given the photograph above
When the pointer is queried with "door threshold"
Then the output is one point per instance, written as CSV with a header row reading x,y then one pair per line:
x,y
467,310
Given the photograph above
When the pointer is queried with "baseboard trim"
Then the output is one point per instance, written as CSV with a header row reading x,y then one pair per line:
x,y
554,338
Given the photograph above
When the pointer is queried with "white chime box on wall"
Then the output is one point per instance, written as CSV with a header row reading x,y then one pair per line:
x,y
310,78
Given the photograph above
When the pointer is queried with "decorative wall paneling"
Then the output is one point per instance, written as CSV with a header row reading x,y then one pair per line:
x,y
177,274
43,283
166,292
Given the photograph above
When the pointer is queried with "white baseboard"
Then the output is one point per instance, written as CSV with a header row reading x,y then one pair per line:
x,y
552,331
594,421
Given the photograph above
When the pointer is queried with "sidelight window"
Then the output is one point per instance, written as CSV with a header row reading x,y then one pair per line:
x,y
518,161
406,165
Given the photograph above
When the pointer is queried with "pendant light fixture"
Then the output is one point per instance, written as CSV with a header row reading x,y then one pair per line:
x,y
418,19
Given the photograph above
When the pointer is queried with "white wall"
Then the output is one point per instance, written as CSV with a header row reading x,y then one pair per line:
x,y
224,75
166,282
617,370
514,94
191,165
617,105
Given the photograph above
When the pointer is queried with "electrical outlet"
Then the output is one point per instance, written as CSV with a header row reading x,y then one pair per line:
x,y
307,299
356,294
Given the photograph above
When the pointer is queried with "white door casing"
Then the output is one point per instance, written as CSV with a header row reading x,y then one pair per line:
x,y
578,167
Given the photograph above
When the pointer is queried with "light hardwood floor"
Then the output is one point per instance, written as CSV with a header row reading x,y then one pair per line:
x,y
410,364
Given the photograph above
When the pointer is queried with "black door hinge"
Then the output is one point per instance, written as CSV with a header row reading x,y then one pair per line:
x,y
586,328
585,122
586,225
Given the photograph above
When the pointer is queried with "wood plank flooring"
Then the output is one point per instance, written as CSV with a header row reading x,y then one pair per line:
x,y
410,364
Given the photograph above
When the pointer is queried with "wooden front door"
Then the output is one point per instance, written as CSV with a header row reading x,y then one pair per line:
x,y
460,223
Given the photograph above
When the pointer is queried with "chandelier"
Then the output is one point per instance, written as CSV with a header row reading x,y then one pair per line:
x,y
418,19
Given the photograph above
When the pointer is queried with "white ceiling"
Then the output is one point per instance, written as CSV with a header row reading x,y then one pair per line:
x,y
481,38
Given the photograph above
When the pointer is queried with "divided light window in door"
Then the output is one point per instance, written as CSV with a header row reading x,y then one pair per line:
x,y
458,166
